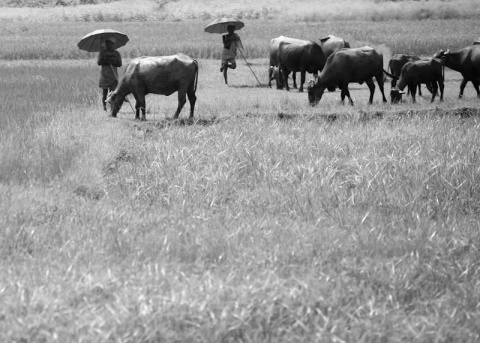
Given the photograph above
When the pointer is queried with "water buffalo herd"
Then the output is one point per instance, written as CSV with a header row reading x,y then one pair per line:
x,y
332,62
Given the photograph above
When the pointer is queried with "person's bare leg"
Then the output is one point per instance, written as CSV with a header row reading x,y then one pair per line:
x,y
104,98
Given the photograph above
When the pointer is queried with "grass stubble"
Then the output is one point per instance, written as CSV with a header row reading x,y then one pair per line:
x,y
267,220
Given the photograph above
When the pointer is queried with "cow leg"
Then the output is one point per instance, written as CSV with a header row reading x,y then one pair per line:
x,y
137,107
140,106
379,79
475,82
302,80
284,74
345,92
462,87
192,98
294,78
137,110
441,86
270,76
434,90
182,99
371,86
413,91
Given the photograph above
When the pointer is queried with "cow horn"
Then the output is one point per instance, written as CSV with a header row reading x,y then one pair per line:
x,y
109,96
398,91
446,52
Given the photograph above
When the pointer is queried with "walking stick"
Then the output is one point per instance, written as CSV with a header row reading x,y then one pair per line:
x,y
241,53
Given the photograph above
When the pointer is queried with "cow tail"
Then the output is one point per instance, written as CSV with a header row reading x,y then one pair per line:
x,y
196,75
390,75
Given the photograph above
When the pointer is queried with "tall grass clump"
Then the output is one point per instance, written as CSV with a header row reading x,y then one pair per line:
x,y
33,148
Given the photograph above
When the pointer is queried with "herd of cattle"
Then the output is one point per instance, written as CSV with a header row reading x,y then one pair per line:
x,y
333,62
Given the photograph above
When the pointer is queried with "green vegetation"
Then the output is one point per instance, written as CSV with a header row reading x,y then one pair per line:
x,y
267,220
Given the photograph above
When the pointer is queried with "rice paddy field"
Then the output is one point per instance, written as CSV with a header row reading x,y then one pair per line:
x,y
264,220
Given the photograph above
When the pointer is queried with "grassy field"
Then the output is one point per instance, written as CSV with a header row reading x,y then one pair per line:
x,y
267,220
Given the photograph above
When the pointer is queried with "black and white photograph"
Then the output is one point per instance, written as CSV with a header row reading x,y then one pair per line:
x,y
203,171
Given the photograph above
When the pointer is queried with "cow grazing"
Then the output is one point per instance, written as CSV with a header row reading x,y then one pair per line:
x,y
273,71
467,62
416,72
163,75
303,57
332,43
395,67
346,66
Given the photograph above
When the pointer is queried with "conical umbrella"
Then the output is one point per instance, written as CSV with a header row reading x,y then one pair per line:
x,y
93,41
220,25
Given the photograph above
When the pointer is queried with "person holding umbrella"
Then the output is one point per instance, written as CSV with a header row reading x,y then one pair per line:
x,y
109,59
105,41
231,41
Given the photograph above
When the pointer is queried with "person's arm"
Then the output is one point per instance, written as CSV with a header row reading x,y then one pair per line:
x,y
231,38
119,60
100,61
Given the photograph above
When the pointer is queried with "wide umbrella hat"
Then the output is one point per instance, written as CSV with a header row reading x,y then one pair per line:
x,y
220,25
93,41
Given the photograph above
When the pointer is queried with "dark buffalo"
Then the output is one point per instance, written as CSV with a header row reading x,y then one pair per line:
x,y
332,43
395,67
415,73
466,62
329,45
303,57
273,71
346,66
163,75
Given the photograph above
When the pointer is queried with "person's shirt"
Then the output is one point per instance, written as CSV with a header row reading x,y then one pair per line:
x,y
106,58
228,39
231,43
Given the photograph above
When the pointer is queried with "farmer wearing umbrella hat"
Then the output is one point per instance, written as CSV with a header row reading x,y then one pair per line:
x,y
231,41
109,59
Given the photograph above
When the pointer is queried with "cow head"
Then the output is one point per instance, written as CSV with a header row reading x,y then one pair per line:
x,y
116,101
396,95
277,76
315,91
441,54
